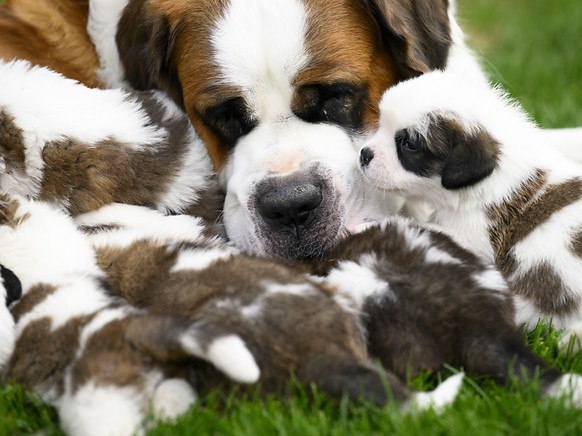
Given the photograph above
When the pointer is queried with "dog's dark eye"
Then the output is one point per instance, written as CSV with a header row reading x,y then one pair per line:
x,y
229,120
405,143
338,103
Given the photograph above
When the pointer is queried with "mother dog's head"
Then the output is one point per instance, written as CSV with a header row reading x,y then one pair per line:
x,y
283,92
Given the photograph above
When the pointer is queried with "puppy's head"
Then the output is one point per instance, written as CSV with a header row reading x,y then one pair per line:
x,y
437,134
283,93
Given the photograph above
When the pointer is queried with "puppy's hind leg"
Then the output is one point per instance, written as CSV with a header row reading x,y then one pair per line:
x,y
501,353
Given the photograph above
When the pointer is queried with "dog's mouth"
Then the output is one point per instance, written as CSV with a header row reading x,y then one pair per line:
x,y
297,217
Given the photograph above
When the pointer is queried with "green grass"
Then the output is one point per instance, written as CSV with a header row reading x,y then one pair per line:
x,y
531,47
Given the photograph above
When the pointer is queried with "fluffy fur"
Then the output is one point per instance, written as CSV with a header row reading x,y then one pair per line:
x,y
427,302
99,361
102,146
183,273
493,183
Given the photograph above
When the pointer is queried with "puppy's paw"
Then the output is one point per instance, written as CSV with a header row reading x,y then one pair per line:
x,y
172,398
438,399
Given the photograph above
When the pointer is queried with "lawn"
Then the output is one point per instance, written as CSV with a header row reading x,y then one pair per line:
x,y
531,47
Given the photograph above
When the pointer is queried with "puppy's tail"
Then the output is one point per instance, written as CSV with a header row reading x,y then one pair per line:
x,y
438,399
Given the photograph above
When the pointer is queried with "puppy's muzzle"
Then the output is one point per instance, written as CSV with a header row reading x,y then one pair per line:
x,y
289,202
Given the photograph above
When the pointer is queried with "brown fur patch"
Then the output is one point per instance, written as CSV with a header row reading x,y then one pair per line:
x,y
8,209
41,355
50,33
87,177
544,287
12,146
532,204
33,297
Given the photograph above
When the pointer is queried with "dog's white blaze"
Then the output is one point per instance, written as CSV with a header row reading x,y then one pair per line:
x,y
102,24
197,260
259,47
172,398
358,283
34,97
102,410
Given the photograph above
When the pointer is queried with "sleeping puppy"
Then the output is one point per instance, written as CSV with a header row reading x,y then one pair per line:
x,y
81,148
494,186
427,302
102,363
292,324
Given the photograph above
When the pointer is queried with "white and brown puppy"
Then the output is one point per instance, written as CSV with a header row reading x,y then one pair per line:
x,y
495,187
426,302
102,363
291,324
82,148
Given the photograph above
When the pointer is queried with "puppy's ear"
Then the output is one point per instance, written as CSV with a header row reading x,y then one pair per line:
x,y
145,41
472,158
416,31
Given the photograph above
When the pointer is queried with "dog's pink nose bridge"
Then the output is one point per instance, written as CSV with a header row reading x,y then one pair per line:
x,y
285,163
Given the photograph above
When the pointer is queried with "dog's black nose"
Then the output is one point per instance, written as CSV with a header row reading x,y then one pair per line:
x,y
290,204
366,156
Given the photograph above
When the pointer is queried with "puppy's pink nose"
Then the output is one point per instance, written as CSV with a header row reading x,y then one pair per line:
x,y
366,156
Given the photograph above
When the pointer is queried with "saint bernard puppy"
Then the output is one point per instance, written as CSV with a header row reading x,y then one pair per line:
x,y
495,186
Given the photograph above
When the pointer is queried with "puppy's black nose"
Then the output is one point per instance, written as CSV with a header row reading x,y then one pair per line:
x,y
366,156
289,204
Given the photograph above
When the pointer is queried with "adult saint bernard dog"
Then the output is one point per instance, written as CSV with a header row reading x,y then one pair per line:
x,y
283,92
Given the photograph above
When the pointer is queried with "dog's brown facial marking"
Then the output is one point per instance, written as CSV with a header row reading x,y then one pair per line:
x,y
513,220
460,157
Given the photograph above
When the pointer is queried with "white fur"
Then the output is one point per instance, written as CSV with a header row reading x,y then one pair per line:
x,y
438,399
102,24
569,388
102,410
172,398
197,260
463,212
228,353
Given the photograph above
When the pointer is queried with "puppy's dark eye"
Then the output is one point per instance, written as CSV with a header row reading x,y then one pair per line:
x,y
405,143
229,120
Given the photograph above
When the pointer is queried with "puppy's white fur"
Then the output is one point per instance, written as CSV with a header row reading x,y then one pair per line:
x,y
463,212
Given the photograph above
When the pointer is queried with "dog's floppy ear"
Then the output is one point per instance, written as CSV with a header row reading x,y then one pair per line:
x,y
417,32
145,42
473,157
